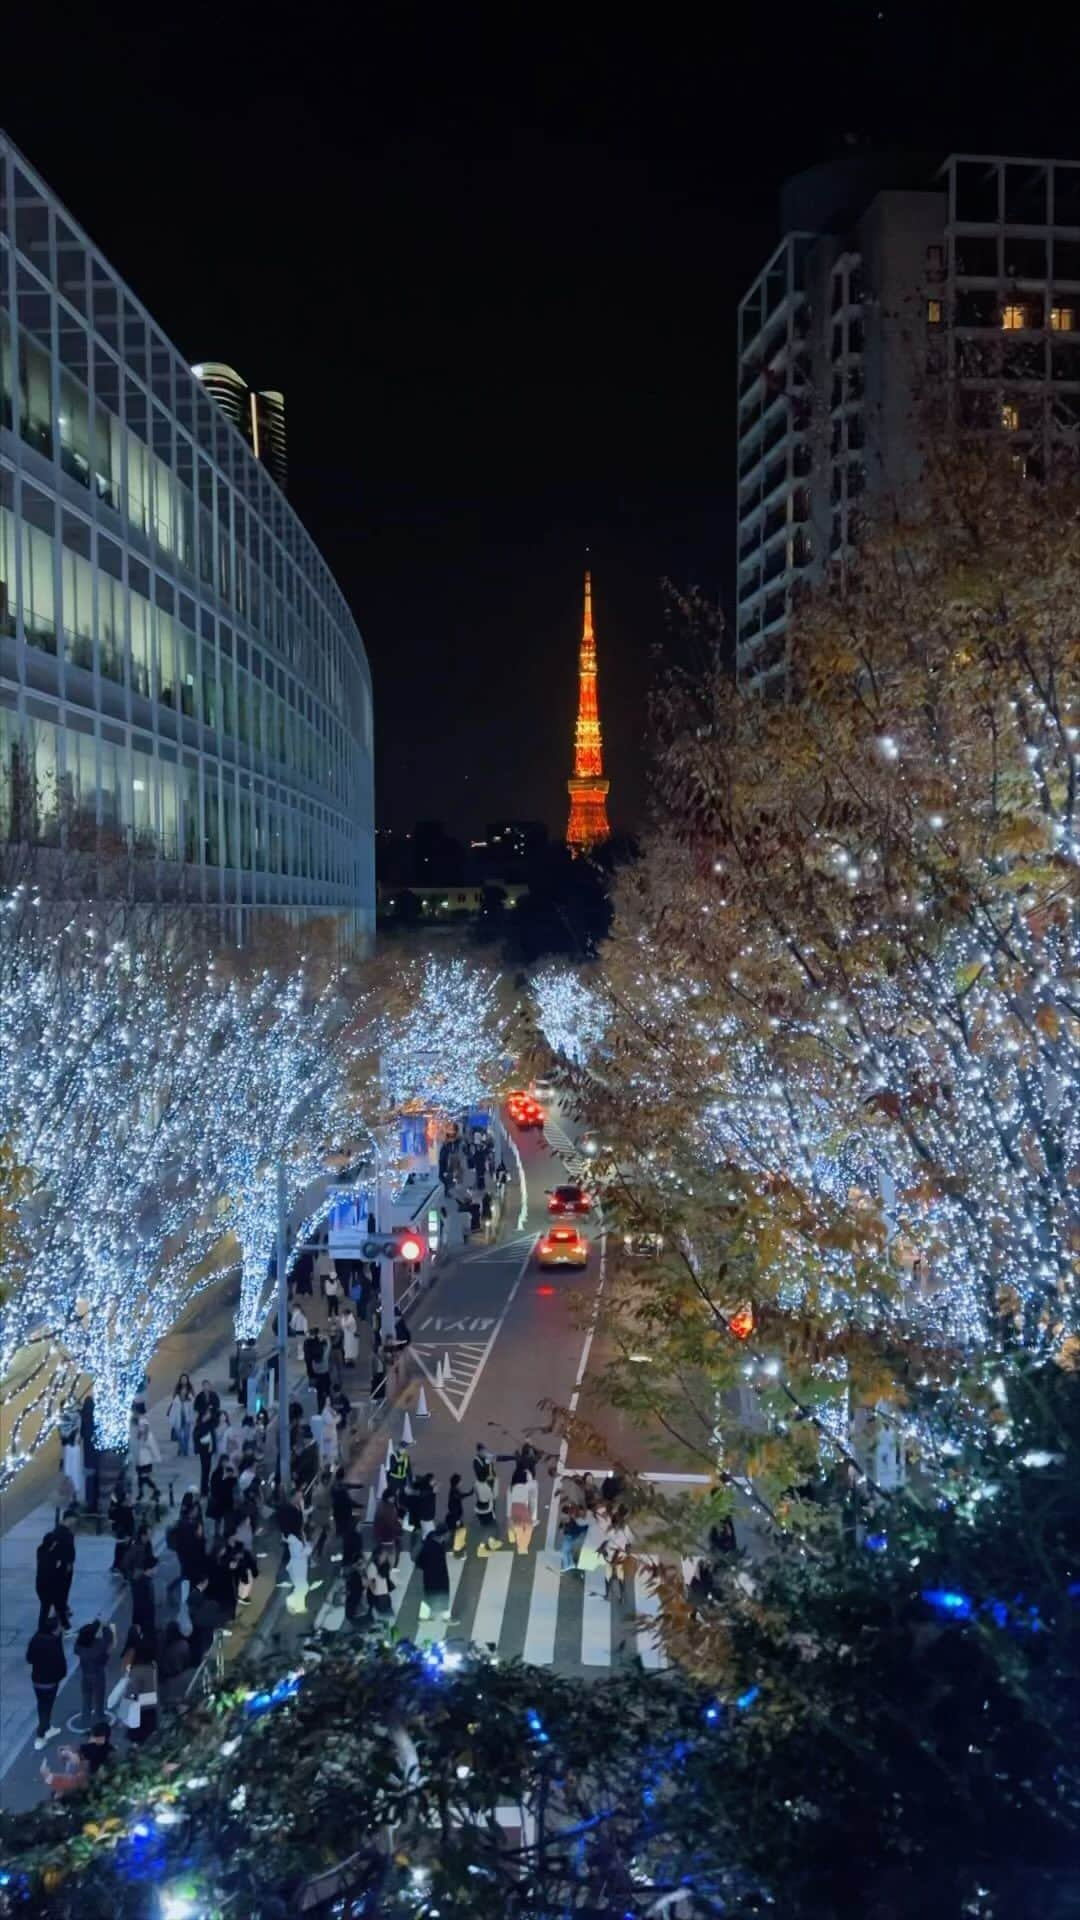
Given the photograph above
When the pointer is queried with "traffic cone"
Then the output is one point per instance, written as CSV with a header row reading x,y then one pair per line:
x,y
438,1373
381,1488
447,1376
389,1451
406,1432
422,1406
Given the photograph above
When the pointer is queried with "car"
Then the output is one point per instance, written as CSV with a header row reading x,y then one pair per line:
x,y
527,1114
563,1247
643,1246
569,1200
543,1090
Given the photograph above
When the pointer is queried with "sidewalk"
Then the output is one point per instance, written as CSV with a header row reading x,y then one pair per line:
x,y
202,1346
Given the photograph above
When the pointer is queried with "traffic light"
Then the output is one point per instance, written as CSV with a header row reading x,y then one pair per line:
x,y
402,1245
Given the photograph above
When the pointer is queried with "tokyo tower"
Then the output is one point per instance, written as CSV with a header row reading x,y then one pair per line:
x,y
588,823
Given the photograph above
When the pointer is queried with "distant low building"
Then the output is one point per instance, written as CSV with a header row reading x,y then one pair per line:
x,y
447,902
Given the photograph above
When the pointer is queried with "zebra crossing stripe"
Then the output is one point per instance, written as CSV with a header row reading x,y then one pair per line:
x,y
491,1606
595,1623
647,1604
543,1614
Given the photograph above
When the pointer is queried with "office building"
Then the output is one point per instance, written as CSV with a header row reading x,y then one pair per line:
x,y
260,417
182,684
893,270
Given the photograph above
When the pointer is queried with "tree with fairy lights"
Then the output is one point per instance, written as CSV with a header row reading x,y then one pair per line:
x,y
110,1053
292,1106
441,1036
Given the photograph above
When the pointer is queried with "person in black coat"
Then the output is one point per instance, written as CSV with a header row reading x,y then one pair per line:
x,y
206,1617
55,1567
341,1504
203,1441
435,1574
48,1668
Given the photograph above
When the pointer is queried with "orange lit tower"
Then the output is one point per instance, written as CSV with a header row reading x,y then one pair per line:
x,y
586,786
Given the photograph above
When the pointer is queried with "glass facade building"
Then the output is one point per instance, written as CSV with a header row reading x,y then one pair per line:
x,y
181,680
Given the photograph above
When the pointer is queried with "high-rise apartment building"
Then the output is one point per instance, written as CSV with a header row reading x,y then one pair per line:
x,y
182,685
260,417
893,269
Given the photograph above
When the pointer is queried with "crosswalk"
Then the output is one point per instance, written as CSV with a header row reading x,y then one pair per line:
x,y
523,1607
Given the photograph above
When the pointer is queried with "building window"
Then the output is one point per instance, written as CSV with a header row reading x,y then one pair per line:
x,y
933,313
1010,417
1062,319
1013,317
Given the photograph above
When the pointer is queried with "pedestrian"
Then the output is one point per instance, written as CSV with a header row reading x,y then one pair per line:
x,y
357,1594
93,1648
435,1574
139,1556
245,1367
48,1667
147,1456
55,1568
175,1665
219,1505
616,1552
611,1487
299,1559
144,1604
484,1495
310,1350
139,1705
386,1527
122,1522
205,1614
70,1776
330,1433
380,1587
97,1749
207,1400
203,1441
298,1327
242,1567
399,1475
486,1210
591,1551
337,1358
425,1507
574,1529
332,1290
71,1453
322,1509
181,1416
401,1331
501,1174
341,1504
320,1377
187,1539
350,1344
221,1433
521,1506
456,1496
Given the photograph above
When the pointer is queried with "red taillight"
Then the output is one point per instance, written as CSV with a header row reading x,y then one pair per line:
x,y
545,1290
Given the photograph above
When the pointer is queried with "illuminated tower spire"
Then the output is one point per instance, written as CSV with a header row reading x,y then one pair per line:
x,y
586,786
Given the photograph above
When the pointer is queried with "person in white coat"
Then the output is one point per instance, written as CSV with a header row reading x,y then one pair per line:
x,y
522,1497
299,1557
591,1552
298,1327
351,1344
147,1457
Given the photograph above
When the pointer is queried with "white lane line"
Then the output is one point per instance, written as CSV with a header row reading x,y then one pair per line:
x,y
523,1209
491,1606
539,1648
647,1606
560,1470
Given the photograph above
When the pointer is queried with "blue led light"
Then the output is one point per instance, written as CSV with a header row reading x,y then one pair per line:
x,y
956,1606
877,1542
747,1699
712,1715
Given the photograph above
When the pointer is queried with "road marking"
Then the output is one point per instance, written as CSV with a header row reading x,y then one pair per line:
x,y
473,1361
539,1648
647,1633
595,1624
487,1620
477,1325
523,1209
560,1468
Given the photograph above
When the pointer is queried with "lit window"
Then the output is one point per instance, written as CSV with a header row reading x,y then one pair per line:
x,y
933,313
1013,317
1062,319
1010,418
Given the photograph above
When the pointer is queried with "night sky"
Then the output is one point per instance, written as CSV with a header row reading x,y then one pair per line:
x,y
492,257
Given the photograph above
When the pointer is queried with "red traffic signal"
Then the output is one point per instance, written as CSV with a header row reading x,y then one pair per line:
x,y
411,1247
402,1245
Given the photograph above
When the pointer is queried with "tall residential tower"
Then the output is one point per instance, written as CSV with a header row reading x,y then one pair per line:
x,y
894,269
260,417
